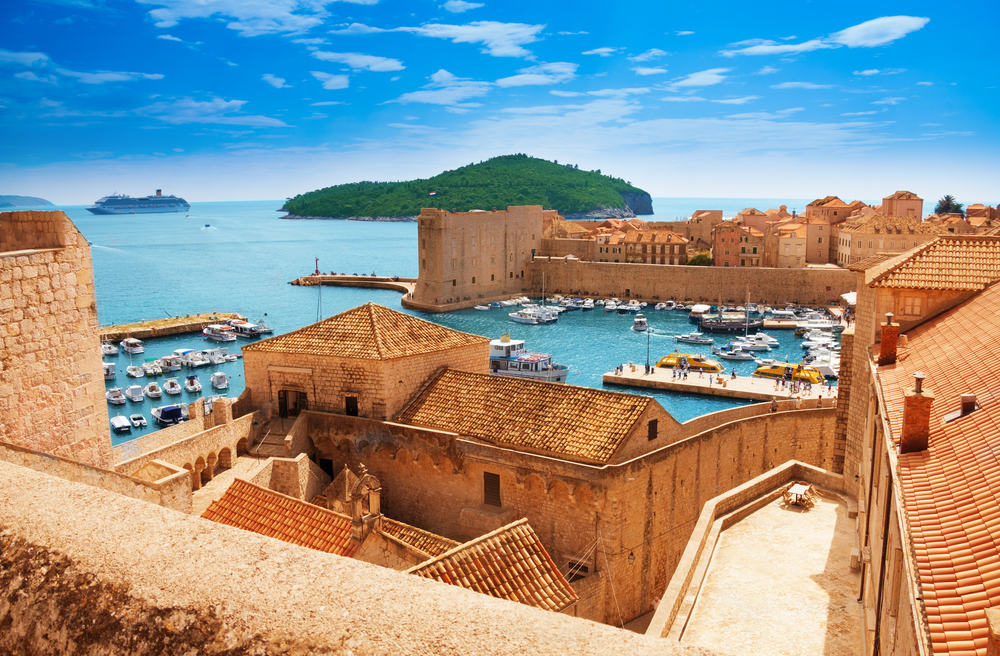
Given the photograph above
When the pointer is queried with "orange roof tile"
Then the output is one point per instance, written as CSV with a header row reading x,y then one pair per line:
x,y
952,490
657,236
580,423
889,225
254,508
429,543
509,563
904,195
953,262
368,332
835,203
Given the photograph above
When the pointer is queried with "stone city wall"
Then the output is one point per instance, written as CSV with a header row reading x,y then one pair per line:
x,y
769,286
51,379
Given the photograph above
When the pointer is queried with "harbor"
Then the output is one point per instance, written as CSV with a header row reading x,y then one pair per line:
x,y
723,385
145,329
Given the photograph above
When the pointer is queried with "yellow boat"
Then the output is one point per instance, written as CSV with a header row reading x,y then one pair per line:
x,y
694,362
783,370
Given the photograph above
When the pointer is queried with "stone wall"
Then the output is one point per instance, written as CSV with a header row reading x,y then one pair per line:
x,y
51,379
297,477
770,286
386,551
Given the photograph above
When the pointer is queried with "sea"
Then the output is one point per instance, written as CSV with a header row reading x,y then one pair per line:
x,y
240,256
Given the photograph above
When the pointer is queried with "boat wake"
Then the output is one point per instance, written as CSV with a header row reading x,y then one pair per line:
x,y
107,248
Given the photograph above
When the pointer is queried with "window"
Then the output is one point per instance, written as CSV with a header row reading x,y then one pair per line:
x,y
351,406
473,241
652,429
473,280
819,240
743,249
892,245
869,243
576,571
492,277
912,306
511,274
473,261
726,263
423,243
454,282
755,249
453,264
743,262
493,260
491,489
727,251
453,243
424,263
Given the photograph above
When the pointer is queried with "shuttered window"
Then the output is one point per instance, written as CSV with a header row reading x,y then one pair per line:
x,y
491,489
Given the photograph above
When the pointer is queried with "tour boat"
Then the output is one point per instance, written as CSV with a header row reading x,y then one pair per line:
x,y
132,345
135,371
219,380
639,323
732,351
786,371
534,316
138,420
107,348
134,393
691,361
120,425
219,333
723,324
508,357
115,396
171,386
694,338
192,384
245,328
109,371
697,311
169,415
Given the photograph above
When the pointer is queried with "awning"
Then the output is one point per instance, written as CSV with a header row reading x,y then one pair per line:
x,y
850,297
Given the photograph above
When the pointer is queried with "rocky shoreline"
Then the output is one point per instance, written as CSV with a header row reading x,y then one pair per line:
x,y
380,219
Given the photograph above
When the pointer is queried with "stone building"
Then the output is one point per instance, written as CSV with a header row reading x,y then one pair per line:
x,y
736,245
655,247
365,362
881,233
903,203
51,386
785,246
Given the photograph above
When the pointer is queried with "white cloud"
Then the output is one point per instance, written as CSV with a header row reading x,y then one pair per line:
x,y
395,78
358,28
459,6
619,93
45,102
23,58
645,70
801,85
100,77
331,81
764,47
767,70
326,102
889,101
684,33
737,101
358,61
566,94
32,77
879,31
683,99
447,89
543,74
860,113
572,33
310,42
781,114
498,39
702,78
926,84
868,72
167,37
248,18
602,52
276,82
215,111
178,150
652,53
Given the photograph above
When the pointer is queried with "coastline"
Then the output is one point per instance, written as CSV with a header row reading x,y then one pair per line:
x,y
378,219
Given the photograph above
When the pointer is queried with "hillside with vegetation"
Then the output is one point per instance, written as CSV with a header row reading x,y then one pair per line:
x,y
22,201
498,182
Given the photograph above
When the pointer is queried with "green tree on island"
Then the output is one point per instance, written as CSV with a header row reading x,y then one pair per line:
x,y
947,205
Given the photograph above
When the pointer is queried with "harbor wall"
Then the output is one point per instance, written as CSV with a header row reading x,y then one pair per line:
x,y
51,378
812,286
174,327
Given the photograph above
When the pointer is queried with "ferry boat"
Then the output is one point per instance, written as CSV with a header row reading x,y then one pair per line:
x,y
692,361
219,333
122,204
784,370
508,357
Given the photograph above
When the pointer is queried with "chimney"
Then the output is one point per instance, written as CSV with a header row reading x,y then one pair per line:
x,y
916,416
159,192
366,489
890,336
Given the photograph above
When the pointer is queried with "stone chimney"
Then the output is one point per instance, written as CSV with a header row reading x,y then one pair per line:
x,y
890,337
916,416
366,489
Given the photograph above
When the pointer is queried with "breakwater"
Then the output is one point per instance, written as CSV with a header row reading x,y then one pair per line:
x,y
395,283
192,323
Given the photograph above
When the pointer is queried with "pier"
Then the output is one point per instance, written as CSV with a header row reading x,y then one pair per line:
x,y
192,323
742,387
404,285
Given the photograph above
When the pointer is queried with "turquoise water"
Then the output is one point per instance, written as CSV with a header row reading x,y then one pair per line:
x,y
149,266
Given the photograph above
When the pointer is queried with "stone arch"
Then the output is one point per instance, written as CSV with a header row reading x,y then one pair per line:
x,y
534,484
361,446
402,455
583,494
191,475
559,490
200,470
424,460
225,458
243,447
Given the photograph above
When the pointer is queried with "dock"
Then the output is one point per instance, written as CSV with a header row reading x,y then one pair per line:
x,y
191,323
742,387
395,283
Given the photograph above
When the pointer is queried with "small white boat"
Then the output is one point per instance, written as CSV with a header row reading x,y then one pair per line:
x,y
192,384
732,351
153,390
109,371
262,327
219,333
171,386
757,340
192,358
134,393
639,323
219,380
151,367
215,356
694,338
587,305
120,425
660,306
534,316
115,396
610,306
132,345
107,348
138,420
485,308
169,415
135,371
170,363
245,328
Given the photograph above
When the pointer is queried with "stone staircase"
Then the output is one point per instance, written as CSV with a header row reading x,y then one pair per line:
x,y
272,442
245,467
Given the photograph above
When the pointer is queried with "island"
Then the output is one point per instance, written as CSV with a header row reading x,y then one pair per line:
x,y
22,201
491,184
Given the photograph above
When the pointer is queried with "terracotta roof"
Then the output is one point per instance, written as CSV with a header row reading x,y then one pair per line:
x,y
657,236
754,231
821,201
254,508
509,563
368,332
888,225
577,422
835,203
752,211
904,195
874,261
857,204
952,490
433,545
952,262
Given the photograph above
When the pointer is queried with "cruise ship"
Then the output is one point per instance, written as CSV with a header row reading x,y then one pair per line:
x,y
121,204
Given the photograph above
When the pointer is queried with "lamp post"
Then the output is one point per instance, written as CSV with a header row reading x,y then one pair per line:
x,y
647,348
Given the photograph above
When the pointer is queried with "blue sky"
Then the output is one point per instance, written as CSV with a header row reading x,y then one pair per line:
x,y
255,99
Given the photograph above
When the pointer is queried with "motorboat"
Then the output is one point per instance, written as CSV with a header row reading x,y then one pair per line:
x,y
109,371
758,342
632,306
219,380
534,316
192,384
245,329
697,311
660,306
485,308
134,393
132,345
151,367
171,386
120,424
786,371
691,361
215,356
192,358
732,351
170,363
817,321
508,357
107,348
694,338
134,371
610,306
169,415
138,420
828,365
219,333
115,396
588,305
639,323
262,327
